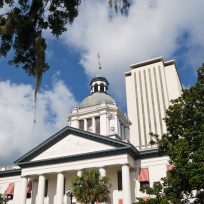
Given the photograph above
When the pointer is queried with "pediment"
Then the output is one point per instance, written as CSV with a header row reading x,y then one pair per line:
x,y
72,145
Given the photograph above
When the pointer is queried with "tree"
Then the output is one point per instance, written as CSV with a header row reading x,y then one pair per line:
x,y
22,26
184,144
156,191
91,187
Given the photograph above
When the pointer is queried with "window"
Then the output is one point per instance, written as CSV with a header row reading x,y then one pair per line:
x,y
120,201
97,119
10,191
121,130
144,184
89,124
46,188
120,186
95,87
169,167
81,124
28,195
102,89
29,189
144,177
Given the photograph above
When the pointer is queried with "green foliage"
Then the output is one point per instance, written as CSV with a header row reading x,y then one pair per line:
x,y
91,187
184,144
22,26
158,196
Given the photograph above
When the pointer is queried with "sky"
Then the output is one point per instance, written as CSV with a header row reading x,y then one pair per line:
x,y
153,28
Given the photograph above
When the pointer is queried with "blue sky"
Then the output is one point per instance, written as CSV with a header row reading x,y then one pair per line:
x,y
172,29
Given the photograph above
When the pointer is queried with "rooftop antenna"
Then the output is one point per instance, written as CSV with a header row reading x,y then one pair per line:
x,y
99,61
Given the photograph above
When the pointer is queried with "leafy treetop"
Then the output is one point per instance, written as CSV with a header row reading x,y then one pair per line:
x,y
91,187
21,29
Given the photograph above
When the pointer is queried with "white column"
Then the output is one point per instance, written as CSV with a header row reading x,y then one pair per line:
x,y
41,189
24,182
60,188
85,124
126,184
102,171
34,191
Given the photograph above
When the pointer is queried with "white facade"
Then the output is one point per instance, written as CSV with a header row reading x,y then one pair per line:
x,y
112,120
97,136
150,86
53,162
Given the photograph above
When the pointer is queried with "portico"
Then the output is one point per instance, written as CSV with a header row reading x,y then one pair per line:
x,y
61,181
52,174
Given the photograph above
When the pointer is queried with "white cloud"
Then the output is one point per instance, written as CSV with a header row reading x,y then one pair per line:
x,y
152,29
17,131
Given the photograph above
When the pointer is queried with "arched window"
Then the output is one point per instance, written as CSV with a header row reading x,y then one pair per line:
x,y
95,87
102,87
97,124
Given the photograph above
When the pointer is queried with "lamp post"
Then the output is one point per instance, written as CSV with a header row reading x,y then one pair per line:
x,y
6,198
69,194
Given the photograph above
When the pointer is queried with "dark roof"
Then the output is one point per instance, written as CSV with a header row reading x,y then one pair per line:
x,y
11,172
150,153
121,148
99,78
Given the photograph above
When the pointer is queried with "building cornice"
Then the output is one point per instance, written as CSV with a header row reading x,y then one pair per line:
x,y
150,153
147,62
118,151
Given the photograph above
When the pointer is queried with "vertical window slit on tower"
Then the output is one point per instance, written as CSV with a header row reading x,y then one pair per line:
x,y
137,107
147,99
166,90
153,105
162,88
158,101
143,113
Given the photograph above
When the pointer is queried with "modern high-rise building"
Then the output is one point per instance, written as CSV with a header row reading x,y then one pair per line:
x,y
150,86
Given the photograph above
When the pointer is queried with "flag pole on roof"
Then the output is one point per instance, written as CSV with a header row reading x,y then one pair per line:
x,y
99,61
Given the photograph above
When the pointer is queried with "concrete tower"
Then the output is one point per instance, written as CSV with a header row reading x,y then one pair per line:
x,y
150,85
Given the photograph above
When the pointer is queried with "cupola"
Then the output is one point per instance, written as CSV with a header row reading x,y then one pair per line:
x,y
99,84
99,112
